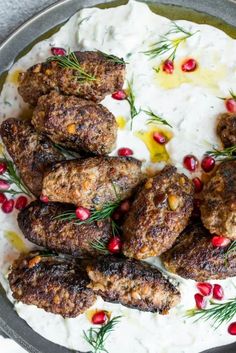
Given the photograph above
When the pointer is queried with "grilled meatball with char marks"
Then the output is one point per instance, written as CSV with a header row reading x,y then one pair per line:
x,y
54,284
39,225
76,123
132,283
92,182
159,213
194,257
31,152
42,78
218,209
226,129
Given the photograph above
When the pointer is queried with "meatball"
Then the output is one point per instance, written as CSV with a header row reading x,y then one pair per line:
x,y
159,213
218,209
194,257
92,182
76,123
39,225
31,152
132,283
226,129
105,77
54,284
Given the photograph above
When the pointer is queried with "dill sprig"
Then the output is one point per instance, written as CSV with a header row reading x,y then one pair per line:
x,y
227,154
65,152
70,61
113,58
218,313
231,249
232,95
130,97
155,118
96,337
100,246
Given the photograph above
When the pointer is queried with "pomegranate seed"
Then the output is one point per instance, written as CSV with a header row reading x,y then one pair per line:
x,y
232,328
4,185
3,167
168,66
189,65
198,184
190,162
204,288
7,206
218,292
125,152
44,199
219,241
124,206
2,197
58,51
114,245
99,318
21,202
119,95
82,213
159,138
230,105
200,301
208,164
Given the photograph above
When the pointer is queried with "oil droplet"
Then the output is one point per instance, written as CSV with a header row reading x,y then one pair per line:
x,y
16,241
121,122
89,313
13,77
158,152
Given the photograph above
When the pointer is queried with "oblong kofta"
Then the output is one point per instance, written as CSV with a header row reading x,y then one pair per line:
x,y
218,207
132,283
31,152
92,182
226,129
194,257
159,213
75,123
54,284
40,225
106,77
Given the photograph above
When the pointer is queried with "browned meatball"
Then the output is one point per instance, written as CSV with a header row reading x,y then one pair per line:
x,y
226,129
31,152
92,182
218,209
159,213
54,284
39,224
107,77
194,257
132,283
76,123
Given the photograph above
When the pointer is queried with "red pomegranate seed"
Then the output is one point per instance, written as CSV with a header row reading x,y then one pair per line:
x,y
159,138
44,199
204,288
208,164
58,51
189,65
82,213
218,292
232,328
230,105
198,184
125,152
2,197
114,245
99,318
119,95
7,206
21,202
4,185
168,66
124,206
219,241
190,162
200,301
3,167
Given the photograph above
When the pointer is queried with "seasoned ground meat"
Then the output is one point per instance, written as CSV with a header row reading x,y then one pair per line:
x,y
31,152
45,77
226,129
159,213
39,224
194,257
54,284
132,283
92,182
218,209
76,123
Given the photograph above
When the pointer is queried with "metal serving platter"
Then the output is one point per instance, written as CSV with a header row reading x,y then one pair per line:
x,y
225,10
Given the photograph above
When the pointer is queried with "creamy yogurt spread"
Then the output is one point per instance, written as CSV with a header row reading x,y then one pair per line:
x,y
190,103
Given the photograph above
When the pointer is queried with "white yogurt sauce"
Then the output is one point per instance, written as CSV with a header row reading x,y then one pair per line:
x,y
190,103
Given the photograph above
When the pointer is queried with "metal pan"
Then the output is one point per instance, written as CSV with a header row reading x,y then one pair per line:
x,y
10,322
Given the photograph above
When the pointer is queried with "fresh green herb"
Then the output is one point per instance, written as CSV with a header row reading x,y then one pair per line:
x,y
227,154
112,58
131,100
100,247
66,153
96,337
232,95
70,61
231,249
156,118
